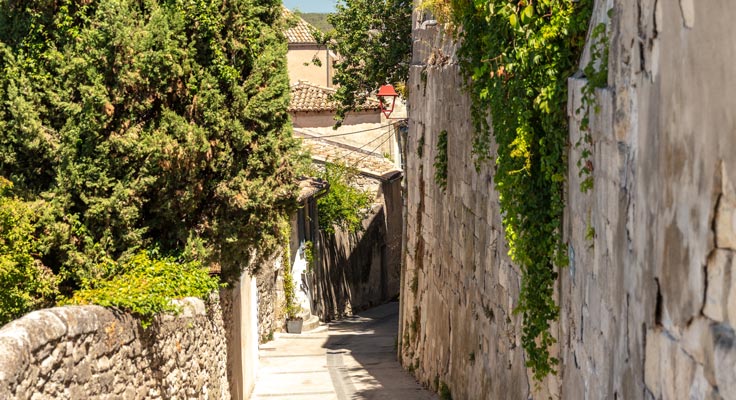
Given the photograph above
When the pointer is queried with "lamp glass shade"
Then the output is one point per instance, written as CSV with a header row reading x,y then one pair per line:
x,y
387,91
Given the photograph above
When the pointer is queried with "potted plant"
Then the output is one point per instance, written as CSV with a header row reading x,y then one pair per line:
x,y
293,320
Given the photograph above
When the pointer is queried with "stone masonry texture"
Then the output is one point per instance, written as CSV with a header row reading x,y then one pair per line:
x,y
92,352
647,303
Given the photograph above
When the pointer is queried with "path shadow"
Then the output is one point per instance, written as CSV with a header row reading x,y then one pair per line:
x,y
361,354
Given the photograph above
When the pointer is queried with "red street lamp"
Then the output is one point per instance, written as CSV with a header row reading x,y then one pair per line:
x,y
387,91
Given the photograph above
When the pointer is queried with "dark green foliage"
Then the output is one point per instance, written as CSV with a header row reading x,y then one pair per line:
x,y
516,58
374,40
26,284
344,206
147,286
147,123
444,391
440,161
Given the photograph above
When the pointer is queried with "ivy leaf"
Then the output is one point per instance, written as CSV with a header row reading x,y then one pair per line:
x,y
514,21
527,15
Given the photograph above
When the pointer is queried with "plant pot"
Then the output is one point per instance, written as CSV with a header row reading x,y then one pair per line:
x,y
294,325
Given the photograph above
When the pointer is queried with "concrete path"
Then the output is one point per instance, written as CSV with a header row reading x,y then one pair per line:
x,y
350,359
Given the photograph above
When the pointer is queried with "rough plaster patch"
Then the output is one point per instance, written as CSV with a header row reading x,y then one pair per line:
x,y
687,8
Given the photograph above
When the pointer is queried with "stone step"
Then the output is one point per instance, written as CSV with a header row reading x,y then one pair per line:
x,y
310,323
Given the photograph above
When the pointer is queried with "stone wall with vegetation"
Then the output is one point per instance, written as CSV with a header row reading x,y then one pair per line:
x,y
78,352
646,300
459,288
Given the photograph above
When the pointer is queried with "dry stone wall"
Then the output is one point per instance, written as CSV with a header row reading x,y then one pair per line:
x,y
647,303
91,352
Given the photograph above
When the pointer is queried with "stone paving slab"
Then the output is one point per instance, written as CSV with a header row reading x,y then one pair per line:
x,y
354,358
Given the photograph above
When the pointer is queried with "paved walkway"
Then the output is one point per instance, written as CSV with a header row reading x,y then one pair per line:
x,y
350,359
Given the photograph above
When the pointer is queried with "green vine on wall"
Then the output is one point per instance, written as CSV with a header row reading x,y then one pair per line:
x,y
516,58
596,72
440,161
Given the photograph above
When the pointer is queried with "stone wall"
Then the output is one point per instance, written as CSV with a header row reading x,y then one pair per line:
x,y
363,270
269,279
647,303
87,352
458,286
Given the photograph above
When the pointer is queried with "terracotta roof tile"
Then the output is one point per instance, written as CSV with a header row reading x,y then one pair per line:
x,y
301,32
368,163
308,97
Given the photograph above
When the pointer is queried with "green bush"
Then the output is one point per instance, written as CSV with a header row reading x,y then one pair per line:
x,y
26,284
153,123
344,206
148,286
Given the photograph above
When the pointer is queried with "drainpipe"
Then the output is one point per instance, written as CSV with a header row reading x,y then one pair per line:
x,y
327,62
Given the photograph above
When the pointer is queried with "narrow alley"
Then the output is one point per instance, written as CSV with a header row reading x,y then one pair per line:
x,y
354,358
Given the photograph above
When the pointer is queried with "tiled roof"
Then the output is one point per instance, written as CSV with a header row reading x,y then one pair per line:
x,y
367,163
309,187
301,32
308,97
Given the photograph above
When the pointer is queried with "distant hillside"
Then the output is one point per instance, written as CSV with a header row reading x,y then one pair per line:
x,y
319,20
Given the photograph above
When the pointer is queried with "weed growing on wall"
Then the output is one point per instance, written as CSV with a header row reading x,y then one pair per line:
x,y
516,58
440,161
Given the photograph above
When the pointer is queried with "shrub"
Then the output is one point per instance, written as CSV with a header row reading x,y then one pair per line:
x,y
26,284
291,308
148,286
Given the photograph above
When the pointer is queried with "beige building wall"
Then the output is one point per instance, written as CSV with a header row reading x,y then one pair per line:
x,y
323,119
243,349
298,55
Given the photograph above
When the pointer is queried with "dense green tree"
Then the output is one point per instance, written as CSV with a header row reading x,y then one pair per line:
x,y
147,123
373,39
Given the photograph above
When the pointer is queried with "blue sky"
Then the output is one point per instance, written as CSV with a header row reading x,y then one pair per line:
x,y
318,6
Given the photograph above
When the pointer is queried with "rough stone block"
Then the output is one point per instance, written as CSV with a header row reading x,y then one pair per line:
x,y
725,360
726,224
718,270
697,341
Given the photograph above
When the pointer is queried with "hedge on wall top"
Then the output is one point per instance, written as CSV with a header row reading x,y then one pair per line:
x,y
147,123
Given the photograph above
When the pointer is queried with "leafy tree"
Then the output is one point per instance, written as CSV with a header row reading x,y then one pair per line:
x,y
373,39
344,206
147,123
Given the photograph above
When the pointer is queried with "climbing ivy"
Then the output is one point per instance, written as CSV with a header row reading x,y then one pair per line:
x,y
516,58
596,72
